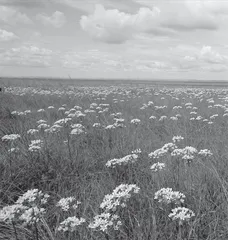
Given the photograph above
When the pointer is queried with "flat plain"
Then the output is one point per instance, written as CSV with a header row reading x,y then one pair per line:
x,y
134,160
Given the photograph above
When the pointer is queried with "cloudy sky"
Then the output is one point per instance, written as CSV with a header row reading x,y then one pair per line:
x,y
144,39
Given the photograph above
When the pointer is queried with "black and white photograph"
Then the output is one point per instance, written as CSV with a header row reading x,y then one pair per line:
x,y
113,119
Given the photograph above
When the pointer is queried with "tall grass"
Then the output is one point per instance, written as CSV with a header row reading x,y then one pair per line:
x,y
74,165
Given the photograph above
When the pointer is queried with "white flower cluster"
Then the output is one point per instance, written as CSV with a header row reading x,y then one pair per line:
x,y
96,125
27,209
66,203
33,196
157,166
135,121
43,126
70,224
177,139
35,145
14,150
53,129
119,123
10,137
205,153
161,152
118,197
181,214
41,121
131,158
152,117
137,151
104,220
12,213
162,118
167,195
63,121
32,131
77,129
187,153
110,203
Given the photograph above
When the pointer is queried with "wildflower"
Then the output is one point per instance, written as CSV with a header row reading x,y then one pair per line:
x,y
131,158
10,214
205,153
181,214
135,121
162,118
161,152
118,197
32,131
27,209
174,118
51,107
41,110
70,224
10,137
137,151
104,220
157,166
32,215
35,145
63,121
53,129
167,195
110,127
43,126
32,197
198,118
187,153
66,203
61,109
14,150
96,125
177,139
41,121
152,117
77,129
213,116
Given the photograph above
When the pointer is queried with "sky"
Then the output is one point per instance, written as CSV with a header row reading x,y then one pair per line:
x,y
106,39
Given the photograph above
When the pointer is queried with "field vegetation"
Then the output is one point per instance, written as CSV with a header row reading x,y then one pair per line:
x,y
115,161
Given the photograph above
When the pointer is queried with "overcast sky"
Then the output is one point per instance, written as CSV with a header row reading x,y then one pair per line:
x,y
171,39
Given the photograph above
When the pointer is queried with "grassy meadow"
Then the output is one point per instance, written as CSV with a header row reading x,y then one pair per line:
x,y
128,161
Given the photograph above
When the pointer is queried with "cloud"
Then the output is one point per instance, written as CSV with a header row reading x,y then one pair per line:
x,y
12,16
32,56
6,36
87,6
207,7
114,26
206,59
57,19
23,3
189,15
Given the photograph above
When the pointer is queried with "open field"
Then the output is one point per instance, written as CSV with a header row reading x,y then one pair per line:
x,y
140,160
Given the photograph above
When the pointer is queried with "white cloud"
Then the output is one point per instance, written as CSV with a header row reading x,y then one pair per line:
x,y
57,19
207,7
27,56
113,26
188,15
205,59
6,36
208,55
13,16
